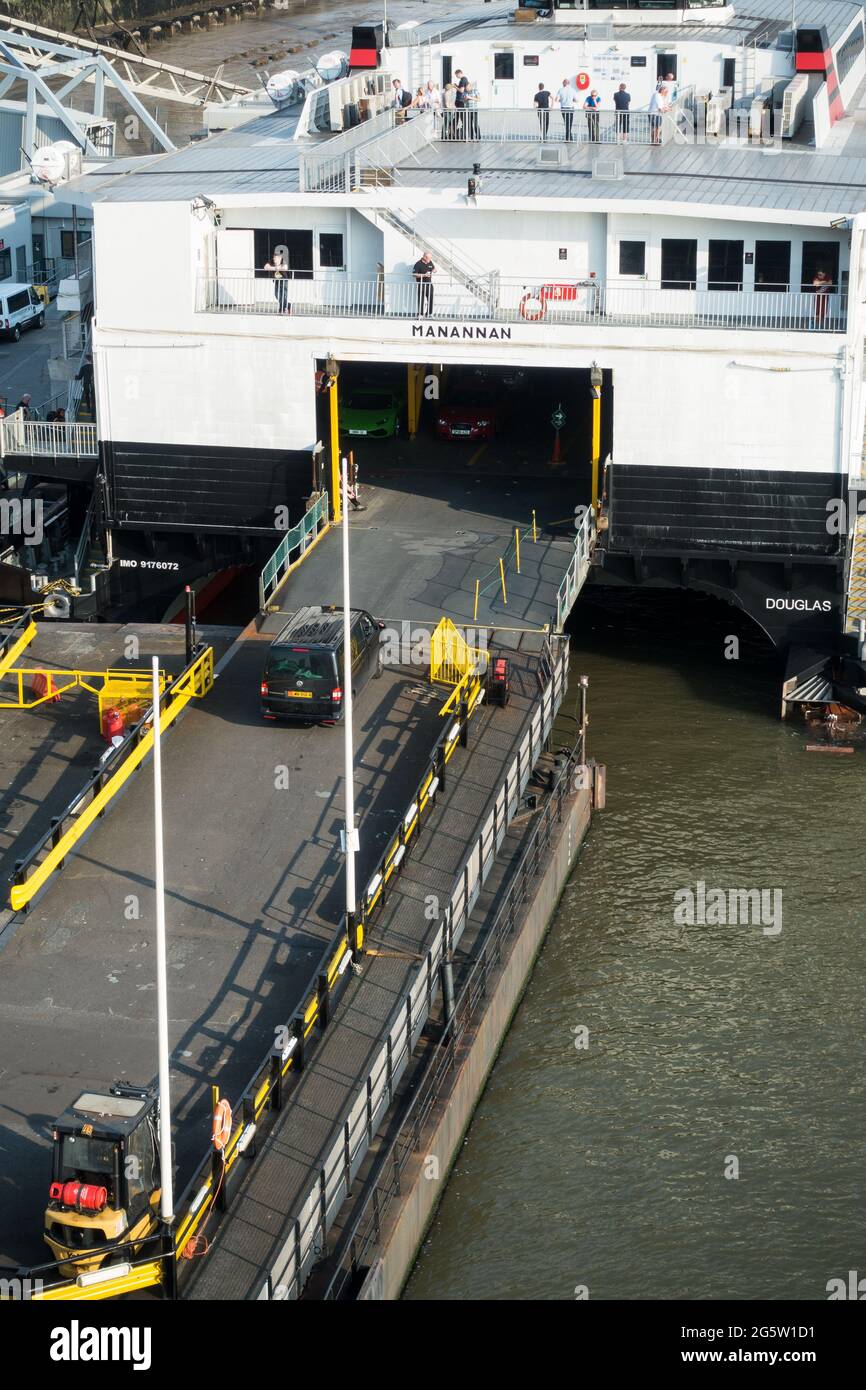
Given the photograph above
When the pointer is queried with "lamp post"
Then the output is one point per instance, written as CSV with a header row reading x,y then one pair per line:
x,y
166,1200
332,371
595,380
354,929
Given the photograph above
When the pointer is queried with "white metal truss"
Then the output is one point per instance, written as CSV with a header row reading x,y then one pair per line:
x,y
51,51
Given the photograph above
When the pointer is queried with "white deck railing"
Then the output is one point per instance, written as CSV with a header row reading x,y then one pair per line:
x,y
578,126
36,438
506,300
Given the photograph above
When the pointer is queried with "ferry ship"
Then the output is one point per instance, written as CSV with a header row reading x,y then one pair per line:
x,y
694,254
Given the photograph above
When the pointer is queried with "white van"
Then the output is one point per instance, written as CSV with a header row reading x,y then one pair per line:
x,y
20,308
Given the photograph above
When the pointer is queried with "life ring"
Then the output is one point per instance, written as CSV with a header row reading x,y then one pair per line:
x,y
582,81
222,1124
532,307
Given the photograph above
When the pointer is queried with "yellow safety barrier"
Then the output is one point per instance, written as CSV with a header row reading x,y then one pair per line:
x,y
13,651
449,654
195,682
454,662
142,1277
119,686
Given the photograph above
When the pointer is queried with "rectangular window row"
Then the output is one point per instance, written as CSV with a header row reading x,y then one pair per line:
x,y
726,261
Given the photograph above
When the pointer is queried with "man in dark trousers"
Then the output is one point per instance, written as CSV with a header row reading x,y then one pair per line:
x,y
461,104
423,272
542,101
622,101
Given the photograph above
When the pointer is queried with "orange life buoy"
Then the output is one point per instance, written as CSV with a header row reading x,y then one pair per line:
x,y
582,81
532,307
222,1124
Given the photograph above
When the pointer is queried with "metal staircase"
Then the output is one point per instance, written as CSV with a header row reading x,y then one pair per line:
x,y
459,267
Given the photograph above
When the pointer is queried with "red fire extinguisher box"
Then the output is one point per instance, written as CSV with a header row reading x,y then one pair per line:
x,y
498,682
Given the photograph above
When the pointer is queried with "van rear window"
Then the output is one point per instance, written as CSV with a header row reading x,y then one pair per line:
x,y
19,301
306,668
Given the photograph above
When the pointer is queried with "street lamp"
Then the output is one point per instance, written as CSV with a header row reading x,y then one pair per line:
x,y
595,380
351,845
332,372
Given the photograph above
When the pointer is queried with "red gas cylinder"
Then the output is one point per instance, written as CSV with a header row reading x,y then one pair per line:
x,y
84,1196
112,724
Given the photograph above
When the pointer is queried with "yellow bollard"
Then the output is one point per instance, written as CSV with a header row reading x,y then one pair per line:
x,y
534,531
475,609
517,546
502,578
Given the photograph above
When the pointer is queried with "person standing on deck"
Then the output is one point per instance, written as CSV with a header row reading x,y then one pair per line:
x,y
622,101
423,272
658,106
449,118
591,107
542,100
822,284
279,268
566,98
473,133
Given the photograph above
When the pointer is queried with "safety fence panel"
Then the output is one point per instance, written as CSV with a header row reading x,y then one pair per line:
x,y
502,816
292,548
488,844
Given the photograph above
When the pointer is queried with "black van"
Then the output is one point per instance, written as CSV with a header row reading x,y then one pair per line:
x,y
303,675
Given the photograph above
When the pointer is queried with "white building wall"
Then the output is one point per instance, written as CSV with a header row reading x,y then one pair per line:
x,y
624,226
165,374
605,63
725,411
524,244
147,262
15,237
237,390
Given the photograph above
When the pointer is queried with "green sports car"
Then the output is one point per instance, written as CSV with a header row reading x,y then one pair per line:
x,y
372,411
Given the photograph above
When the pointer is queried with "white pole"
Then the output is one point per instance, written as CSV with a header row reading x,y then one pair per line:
x,y
348,771
166,1204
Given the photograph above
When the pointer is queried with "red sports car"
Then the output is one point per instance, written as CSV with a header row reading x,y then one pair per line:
x,y
469,412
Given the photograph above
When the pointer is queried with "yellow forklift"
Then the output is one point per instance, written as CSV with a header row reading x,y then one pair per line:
x,y
105,1185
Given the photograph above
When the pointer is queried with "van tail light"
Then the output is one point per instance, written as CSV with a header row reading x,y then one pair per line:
x,y
264,687
336,695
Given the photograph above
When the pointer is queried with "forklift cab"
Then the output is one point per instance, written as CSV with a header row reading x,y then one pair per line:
x,y
105,1180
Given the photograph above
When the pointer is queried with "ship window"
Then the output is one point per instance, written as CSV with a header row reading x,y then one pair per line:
x,y
331,251
503,67
819,255
632,258
772,265
297,246
725,265
679,263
